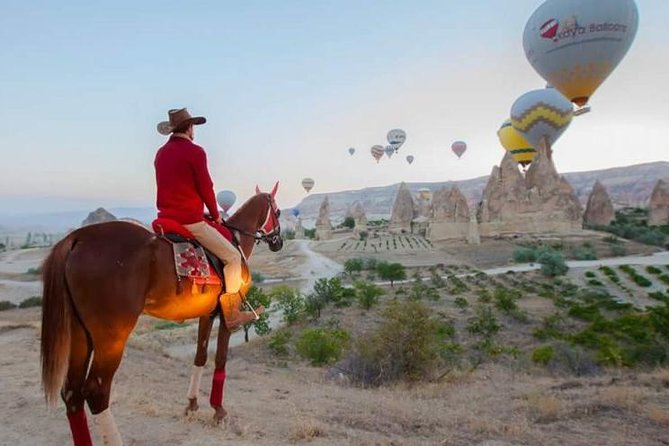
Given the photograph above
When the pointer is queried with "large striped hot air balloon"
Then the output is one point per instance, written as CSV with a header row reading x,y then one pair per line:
x,y
377,152
513,141
308,184
575,44
541,115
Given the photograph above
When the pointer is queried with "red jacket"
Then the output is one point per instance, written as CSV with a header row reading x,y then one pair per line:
x,y
184,184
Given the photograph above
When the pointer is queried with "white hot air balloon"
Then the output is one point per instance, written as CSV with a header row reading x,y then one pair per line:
x,y
226,199
396,137
410,159
575,44
308,184
389,151
377,152
351,151
541,114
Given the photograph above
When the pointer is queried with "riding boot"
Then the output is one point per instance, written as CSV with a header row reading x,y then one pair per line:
x,y
234,318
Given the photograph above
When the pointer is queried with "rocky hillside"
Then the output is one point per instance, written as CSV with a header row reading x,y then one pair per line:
x,y
627,186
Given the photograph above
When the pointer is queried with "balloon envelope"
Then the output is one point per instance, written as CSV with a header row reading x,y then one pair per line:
x,y
424,193
377,152
296,212
575,44
396,138
410,159
513,141
351,151
541,114
389,151
308,184
226,198
459,147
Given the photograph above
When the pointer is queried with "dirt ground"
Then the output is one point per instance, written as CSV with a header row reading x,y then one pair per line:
x,y
276,403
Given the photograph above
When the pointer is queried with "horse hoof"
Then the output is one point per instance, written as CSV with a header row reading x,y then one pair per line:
x,y
219,414
192,406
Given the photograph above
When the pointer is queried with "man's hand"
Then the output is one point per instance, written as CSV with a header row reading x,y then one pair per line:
x,y
219,220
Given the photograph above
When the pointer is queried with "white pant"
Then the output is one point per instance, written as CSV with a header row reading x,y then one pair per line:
x,y
211,239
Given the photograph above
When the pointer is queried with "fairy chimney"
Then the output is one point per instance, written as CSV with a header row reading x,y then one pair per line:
x,y
323,225
658,212
100,215
403,211
450,217
599,210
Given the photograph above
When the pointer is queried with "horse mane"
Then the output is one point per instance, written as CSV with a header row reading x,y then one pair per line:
x,y
235,218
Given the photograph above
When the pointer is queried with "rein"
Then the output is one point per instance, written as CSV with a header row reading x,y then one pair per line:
x,y
258,236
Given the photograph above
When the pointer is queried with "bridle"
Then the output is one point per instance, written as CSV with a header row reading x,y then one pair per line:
x,y
266,233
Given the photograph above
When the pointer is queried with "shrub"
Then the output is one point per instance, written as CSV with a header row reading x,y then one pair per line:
x,y
590,274
523,254
322,345
595,283
635,276
370,263
6,305
349,222
256,297
35,301
406,345
437,280
310,233
331,291
34,271
505,299
485,323
461,302
167,325
664,278
543,355
585,252
257,277
290,302
653,270
367,294
278,343
618,250
552,264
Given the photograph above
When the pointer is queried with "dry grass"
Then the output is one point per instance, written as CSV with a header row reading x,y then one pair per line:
x,y
658,414
306,428
625,397
544,408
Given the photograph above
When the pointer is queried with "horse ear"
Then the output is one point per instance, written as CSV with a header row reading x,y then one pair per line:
x,y
257,190
274,189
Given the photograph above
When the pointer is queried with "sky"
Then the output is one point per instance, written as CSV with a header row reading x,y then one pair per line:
x,y
287,87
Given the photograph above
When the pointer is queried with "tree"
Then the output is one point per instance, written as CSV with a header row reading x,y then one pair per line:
x,y
352,266
290,302
331,291
391,272
349,222
313,304
552,264
256,297
367,294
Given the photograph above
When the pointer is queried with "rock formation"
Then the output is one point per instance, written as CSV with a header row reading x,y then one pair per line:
x,y
323,225
403,211
658,209
541,202
449,218
299,229
357,213
599,210
100,215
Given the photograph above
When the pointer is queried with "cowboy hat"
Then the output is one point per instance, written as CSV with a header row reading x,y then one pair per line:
x,y
178,117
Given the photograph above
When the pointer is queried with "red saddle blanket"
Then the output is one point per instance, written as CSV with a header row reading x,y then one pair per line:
x,y
189,261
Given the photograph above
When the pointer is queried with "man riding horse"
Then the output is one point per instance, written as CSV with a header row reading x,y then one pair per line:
x,y
184,189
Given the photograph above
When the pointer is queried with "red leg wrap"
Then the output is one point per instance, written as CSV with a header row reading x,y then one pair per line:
x,y
79,427
216,397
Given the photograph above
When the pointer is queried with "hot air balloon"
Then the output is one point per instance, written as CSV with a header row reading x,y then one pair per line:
x,y
308,184
459,147
225,199
541,114
377,152
575,44
389,151
351,151
410,159
396,138
296,212
513,141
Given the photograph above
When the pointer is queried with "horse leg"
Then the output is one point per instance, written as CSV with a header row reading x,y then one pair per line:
x,y
107,356
72,392
203,333
218,381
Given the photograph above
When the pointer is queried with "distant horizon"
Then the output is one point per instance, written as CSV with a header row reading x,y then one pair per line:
x,y
76,205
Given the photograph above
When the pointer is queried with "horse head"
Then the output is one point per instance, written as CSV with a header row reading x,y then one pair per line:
x,y
268,224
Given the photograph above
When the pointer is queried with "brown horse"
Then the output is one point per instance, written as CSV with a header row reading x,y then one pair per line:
x,y
97,282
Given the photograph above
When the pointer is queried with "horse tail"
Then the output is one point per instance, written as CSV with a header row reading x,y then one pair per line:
x,y
56,320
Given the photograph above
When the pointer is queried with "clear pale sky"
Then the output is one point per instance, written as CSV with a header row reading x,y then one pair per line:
x,y
287,88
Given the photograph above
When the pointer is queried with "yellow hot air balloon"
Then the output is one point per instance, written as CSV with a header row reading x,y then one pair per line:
x,y
513,141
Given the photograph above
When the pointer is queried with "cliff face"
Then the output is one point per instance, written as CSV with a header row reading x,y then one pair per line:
x,y
599,210
658,209
542,201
